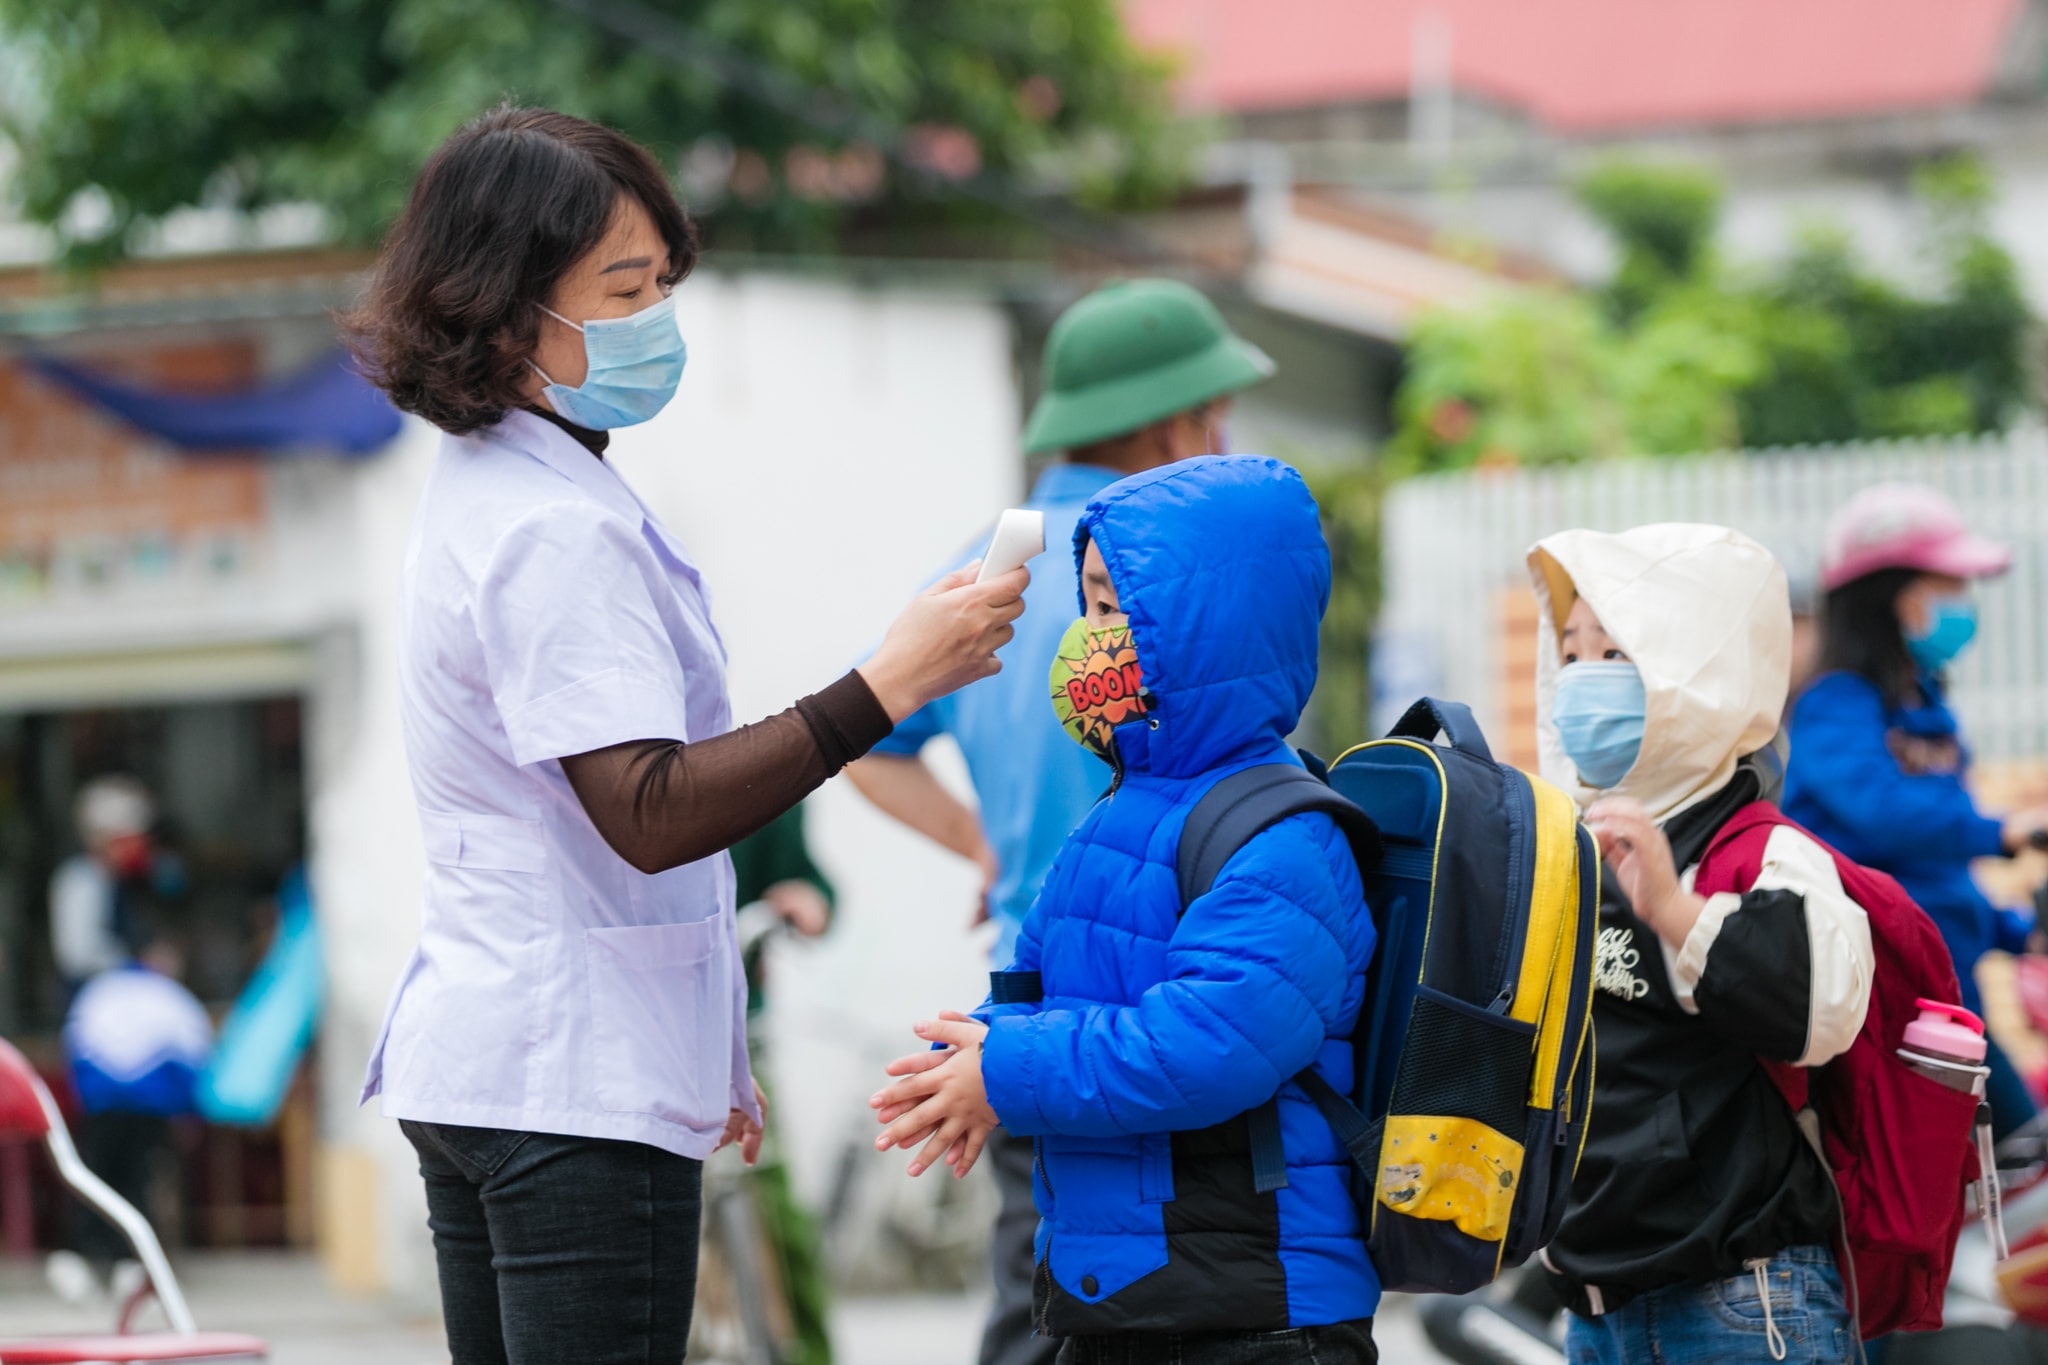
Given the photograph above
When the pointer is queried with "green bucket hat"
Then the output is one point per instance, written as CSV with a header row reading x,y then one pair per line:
x,y
1131,353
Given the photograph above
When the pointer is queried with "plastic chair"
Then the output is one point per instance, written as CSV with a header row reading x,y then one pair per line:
x,y
28,1110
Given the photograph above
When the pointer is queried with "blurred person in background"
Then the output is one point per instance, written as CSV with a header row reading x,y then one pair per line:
x,y
779,885
103,900
567,1042
1806,634
1878,766
776,876
1138,374
136,1041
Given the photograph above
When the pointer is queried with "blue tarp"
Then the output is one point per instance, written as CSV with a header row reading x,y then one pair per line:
x,y
272,1023
327,406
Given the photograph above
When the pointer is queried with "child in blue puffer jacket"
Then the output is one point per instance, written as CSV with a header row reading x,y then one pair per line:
x,y
1151,1032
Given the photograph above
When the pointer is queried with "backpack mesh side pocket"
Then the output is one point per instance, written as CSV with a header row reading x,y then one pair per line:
x,y
1451,1152
1464,1061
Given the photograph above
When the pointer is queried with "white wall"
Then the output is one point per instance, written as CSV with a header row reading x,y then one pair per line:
x,y
830,447
367,868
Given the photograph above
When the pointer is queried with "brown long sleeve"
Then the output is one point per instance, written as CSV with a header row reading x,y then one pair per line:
x,y
661,803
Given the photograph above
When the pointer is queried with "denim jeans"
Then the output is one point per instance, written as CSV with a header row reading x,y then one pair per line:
x,y
555,1249
125,1150
1340,1343
1723,1322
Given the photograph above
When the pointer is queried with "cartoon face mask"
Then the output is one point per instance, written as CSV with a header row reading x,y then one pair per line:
x,y
1096,683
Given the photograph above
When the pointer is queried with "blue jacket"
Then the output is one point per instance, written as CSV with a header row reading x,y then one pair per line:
x,y
1846,785
1158,1030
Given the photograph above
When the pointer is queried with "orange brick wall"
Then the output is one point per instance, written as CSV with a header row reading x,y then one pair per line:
x,y
68,469
1514,611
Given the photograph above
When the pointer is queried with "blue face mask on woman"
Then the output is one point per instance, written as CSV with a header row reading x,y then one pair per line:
x,y
635,364
1598,711
1951,625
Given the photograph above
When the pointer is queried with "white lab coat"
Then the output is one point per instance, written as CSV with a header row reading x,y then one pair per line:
x,y
555,989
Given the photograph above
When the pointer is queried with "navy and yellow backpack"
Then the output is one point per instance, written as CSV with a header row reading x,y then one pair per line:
x,y
1474,1053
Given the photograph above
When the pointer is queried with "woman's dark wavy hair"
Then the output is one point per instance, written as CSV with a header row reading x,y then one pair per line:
x,y
499,214
1860,633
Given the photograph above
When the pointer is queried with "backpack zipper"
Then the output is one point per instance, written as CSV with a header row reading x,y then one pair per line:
x,y
1521,871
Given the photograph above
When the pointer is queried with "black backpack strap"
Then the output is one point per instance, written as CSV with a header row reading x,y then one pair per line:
x,y
1360,1136
1453,720
1227,817
1269,1155
1250,801
1015,988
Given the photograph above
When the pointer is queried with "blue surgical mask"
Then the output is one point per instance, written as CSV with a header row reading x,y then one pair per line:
x,y
635,364
1951,625
1598,711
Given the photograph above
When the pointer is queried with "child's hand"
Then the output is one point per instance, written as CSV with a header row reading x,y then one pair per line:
x,y
1640,855
940,1101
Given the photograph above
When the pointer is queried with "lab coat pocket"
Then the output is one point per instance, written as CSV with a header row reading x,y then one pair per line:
x,y
661,1009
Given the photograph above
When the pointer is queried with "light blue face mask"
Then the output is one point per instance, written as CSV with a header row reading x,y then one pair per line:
x,y
1951,625
1598,711
635,364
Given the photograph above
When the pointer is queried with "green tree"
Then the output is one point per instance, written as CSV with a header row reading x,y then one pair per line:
x,y
1528,377
1349,494
1661,217
138,108
1688,355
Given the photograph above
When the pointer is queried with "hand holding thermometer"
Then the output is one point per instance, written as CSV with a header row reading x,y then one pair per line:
x,y
1020,536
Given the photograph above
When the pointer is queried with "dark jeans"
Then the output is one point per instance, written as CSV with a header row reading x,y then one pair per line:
x,y
125,1150
1007,1339
1340,1343
555,1249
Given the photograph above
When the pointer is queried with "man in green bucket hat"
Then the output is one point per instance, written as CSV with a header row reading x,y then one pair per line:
x,y
1137,374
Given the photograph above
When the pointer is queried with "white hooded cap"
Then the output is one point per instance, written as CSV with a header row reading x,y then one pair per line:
x,y
1704,614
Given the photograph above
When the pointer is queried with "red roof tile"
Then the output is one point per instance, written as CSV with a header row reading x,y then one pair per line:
x,y
1588,65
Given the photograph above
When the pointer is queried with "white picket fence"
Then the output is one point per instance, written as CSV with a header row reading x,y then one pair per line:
x,y
1453,542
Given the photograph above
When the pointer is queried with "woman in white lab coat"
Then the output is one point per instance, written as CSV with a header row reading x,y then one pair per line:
x,y
566,1044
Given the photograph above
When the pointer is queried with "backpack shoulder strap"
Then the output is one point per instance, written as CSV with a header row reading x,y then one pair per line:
x,y
1229,815
1248,802
1735,848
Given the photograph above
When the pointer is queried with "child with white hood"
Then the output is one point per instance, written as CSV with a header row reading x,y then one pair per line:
x,y
1701,1220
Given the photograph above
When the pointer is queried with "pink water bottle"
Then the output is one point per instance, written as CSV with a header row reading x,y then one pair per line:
x,y
1946,1045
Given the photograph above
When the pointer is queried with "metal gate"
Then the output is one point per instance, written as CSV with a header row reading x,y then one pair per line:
x,y
1457,619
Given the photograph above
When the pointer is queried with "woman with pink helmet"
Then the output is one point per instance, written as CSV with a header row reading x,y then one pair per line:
x,y
1878,761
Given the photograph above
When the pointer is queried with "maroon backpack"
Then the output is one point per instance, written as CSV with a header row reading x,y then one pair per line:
x,y
1899,1145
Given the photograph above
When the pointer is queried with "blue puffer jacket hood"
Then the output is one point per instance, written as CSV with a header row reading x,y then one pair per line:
x,y
1154,1030
1229,550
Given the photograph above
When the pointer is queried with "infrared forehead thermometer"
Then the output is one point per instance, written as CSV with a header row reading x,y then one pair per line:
x,y
1020,535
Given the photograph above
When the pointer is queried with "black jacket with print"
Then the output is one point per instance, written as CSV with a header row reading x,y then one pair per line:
x,y
1693,1163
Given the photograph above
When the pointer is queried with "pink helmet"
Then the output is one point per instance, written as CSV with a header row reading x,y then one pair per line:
x,y
1905,526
